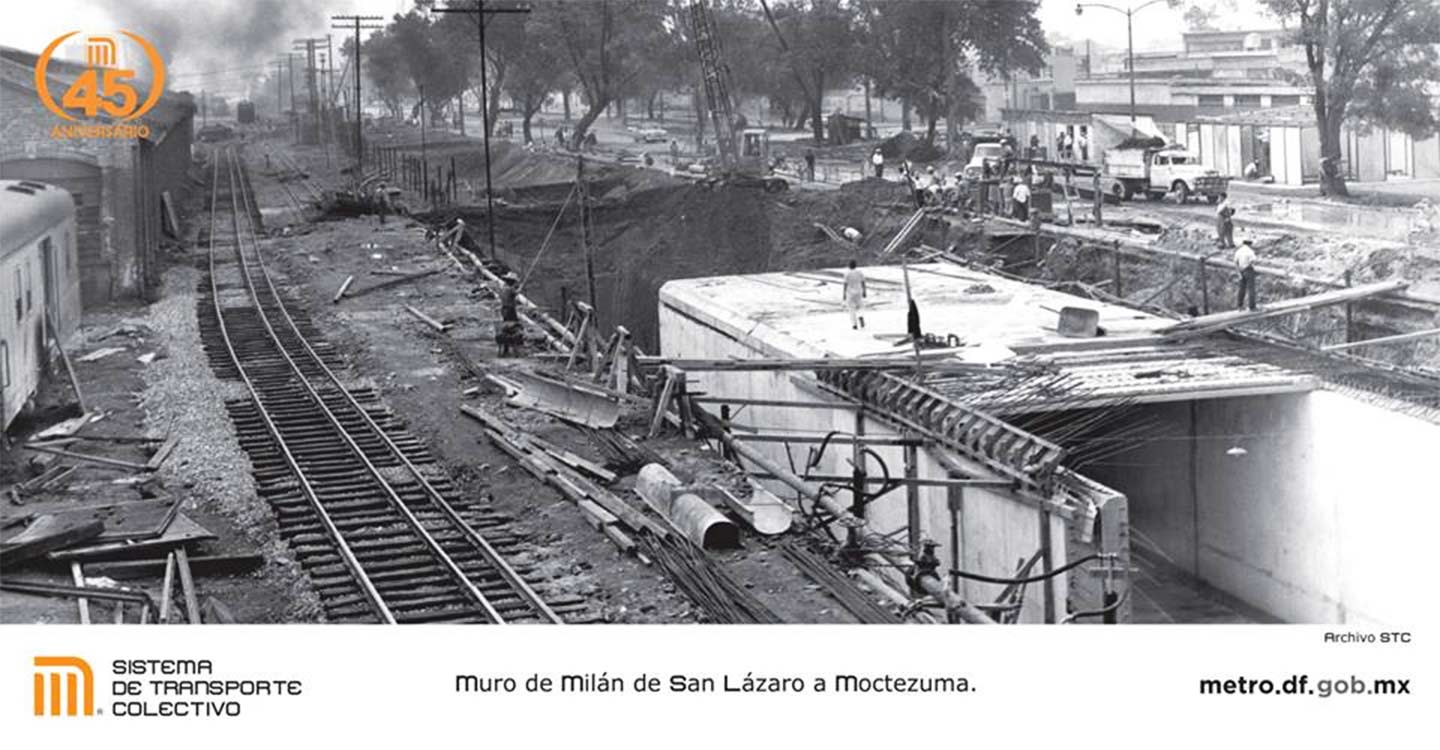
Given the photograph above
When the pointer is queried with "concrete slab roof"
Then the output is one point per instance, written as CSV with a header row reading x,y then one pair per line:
x,y
800,314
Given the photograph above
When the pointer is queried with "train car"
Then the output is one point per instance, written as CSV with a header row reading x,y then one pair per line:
x,y
245,112
39,282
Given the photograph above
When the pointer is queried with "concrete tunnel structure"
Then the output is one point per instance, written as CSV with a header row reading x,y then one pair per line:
x,y
1291,496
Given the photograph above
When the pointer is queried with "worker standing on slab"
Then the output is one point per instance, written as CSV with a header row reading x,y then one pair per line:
x,y
854,292
809,165
1245,261
1225,223
1021,198
877,160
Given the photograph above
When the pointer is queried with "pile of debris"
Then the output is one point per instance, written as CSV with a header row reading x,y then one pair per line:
x,y
91,548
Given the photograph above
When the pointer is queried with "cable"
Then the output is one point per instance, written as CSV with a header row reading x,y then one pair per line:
x,y
1098,612
548,235
1031,579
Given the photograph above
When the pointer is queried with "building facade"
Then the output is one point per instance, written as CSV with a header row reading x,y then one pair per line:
x,y
117,184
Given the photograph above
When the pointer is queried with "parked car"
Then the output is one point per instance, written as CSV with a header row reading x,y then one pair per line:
x,y
984,152
651,135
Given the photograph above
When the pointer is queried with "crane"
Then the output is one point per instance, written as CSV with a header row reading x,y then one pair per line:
x,y
744,153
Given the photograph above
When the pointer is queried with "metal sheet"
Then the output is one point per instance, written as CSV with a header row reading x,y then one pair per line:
x,y
569,401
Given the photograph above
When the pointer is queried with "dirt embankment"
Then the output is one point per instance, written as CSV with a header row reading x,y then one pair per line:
x,y
648,228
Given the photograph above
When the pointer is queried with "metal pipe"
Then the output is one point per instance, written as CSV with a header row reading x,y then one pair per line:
x,y
932,585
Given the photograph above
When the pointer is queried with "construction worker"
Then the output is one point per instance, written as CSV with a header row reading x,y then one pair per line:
x,y
1084,143
854,292
1245,262
674,152
1020,198
382,201
509,299
809,165
1225,223
877,160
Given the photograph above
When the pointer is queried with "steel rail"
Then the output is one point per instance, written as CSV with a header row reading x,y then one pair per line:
x,y
496,561
242,205
347,555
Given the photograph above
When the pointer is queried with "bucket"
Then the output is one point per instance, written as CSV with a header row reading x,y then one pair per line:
x,y
1079,322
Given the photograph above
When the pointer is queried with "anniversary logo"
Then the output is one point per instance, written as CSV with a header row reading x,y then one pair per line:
x,y
104,93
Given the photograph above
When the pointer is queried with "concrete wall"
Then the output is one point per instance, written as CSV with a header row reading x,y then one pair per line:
x,y
1374,475
1316,522
996,528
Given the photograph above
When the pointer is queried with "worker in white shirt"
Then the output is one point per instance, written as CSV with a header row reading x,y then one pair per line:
x,y
1245,262
1020,197
877,160
854,292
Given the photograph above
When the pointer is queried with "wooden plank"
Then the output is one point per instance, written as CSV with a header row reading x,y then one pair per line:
x,y
187,585
1383,340
181,531
405,279
65,359
344,287
662,403
427,320
77,574
1221,321
102,460
166,588
219,565
45,535
172,224
162,453
936,361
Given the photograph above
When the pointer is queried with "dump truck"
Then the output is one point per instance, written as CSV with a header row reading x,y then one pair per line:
x,y
1156,172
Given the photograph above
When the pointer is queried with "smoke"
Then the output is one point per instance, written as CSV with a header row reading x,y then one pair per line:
x,y
212,35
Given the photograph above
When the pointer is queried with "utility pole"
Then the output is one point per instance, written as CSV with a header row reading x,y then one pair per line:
x,y
359,138
279,90
479,12
424,155
1129,14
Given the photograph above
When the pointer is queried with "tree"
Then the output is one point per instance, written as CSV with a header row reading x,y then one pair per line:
x,y
537,68
924,52
604,43
383,62
427,51
1369,61
823,41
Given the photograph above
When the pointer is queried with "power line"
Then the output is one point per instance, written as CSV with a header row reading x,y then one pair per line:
x,y
480,11
357,23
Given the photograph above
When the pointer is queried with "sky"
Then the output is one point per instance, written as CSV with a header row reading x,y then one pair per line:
x,y
236,36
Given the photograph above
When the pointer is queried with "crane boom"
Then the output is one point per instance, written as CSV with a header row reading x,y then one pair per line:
x,y
716,76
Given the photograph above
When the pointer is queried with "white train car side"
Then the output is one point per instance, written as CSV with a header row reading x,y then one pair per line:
x,y
39,280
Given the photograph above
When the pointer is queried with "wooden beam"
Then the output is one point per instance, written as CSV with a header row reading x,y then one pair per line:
x,y
427,320
77,574
344,287
162,453
936,361
1383,340
1221,321
46,534
114,462
187,585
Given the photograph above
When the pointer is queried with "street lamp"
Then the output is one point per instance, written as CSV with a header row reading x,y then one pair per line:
x,y
1129,38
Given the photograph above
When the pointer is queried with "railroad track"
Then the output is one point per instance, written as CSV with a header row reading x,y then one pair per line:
x,y
309,197
378,526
